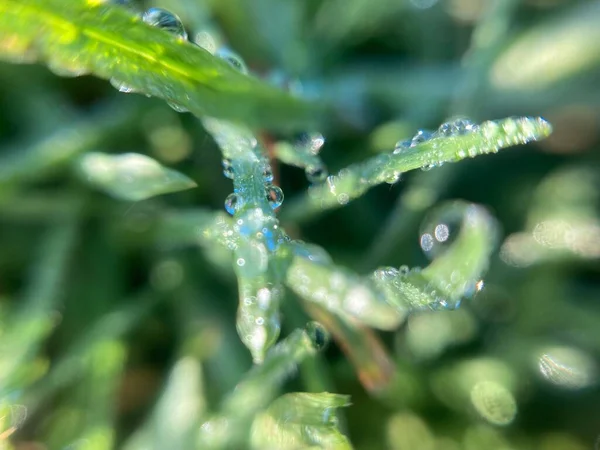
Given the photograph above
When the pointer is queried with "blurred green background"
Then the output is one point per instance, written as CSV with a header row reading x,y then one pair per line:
x,y
95,311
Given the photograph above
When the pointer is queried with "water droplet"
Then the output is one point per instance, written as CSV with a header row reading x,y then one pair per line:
x,y
420,137
241,262
401,146
392,176
310,142
318,335
121,87
441,227
177,107
267,174
233,59
343,199
161,18
233,203
386,273
456,127
316,174
274,196
228,168
207,41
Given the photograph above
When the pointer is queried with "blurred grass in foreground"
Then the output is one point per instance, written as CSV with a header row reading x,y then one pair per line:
x,y
117,331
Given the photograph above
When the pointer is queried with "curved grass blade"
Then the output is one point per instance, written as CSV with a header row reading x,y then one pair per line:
x,y
310,422
131,176
76,37
452,142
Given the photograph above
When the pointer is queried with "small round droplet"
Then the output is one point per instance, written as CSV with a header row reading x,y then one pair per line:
x,y
241,262
228,168
343,199
274,196
401,146
316,174
177,107
420,137
310,142
232,203
318,335
121,87
442,226
392,176
233,59
267,174
161,18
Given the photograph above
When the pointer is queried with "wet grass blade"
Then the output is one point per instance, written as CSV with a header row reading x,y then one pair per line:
x,y
76,37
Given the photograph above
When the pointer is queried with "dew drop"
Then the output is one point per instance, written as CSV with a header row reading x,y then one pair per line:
x,y
386,273
310,142
274,196
456,128
316,174
318,335
241,262
121,87
267,174
392,176
228,168
232,203
401,146
177,107
233,59
343,199
441,227
420,137
161,18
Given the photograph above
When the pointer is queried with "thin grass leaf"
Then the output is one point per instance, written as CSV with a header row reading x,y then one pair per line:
x,y
131,176
75,37
301,420
454,141
21,163
255,391
528,64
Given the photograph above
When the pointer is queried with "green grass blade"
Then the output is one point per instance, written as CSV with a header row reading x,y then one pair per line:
x,y
452,142
76,37
131,176
309,420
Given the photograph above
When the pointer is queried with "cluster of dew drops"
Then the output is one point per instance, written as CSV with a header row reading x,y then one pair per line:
x,y
456,127
310,142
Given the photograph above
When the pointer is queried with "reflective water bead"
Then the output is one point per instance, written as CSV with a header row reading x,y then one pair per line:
x,y
441,227
392,176
177,107
401,146
161,18
121,87
316,174
310,142
232,203
233,59
274,196
318,335
267,173
420,137
228,168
